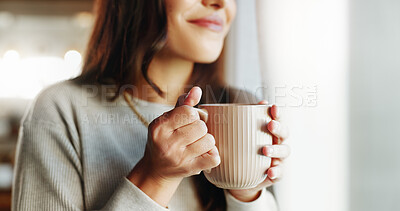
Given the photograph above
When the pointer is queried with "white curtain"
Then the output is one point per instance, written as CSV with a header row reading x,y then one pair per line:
x,y
303,49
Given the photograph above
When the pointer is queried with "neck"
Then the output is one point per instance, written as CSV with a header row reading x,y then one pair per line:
x,y
170,74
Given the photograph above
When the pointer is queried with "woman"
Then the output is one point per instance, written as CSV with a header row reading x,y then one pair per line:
x,y
88,144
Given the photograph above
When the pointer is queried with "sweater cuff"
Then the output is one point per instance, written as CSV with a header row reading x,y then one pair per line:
x,y
129,197
265,201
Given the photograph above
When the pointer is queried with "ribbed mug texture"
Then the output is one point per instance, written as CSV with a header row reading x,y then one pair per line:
x,y
240,133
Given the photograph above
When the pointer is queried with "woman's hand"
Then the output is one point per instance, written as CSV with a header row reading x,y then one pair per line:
x,y
278,152
178,146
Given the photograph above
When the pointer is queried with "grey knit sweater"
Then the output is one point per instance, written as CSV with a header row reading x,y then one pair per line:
x,y
75,150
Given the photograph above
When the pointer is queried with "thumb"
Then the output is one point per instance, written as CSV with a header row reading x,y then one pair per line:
x,y
192,98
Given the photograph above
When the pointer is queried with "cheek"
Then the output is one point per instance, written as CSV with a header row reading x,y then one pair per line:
x,y
192,42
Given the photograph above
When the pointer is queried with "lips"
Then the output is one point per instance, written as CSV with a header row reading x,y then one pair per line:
x,y
213,22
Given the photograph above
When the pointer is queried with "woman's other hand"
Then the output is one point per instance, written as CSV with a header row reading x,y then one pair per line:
x,y
277,152
178,146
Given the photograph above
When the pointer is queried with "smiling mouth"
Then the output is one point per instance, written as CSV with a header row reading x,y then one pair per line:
x,y
214,23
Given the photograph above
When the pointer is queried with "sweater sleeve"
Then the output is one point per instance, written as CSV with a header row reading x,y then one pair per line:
x,y
265,201
48,174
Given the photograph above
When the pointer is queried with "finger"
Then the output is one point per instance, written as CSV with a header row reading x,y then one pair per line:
x,y
274,173
201,146
180,100
276,162
192,98
180,116
208,160
203,113
278,129
275,112
276,151
263,102
266,183
190,133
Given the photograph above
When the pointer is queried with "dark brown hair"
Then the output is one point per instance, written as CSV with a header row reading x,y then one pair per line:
x,y
126,36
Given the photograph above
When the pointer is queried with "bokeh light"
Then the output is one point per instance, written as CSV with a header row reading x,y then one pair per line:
x,y
73,58
11,56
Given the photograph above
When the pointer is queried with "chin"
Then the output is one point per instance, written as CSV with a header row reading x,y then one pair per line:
x,y
206,60
195,51
206,56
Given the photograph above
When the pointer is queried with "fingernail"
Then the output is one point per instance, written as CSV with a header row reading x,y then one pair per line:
x,y
270,151
275,126
277,111
187,95
273,176
275,173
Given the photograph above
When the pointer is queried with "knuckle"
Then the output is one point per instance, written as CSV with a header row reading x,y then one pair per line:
x,y
158,131
210,138
166,114
163,118
160,120
190,112
201,126
153,124
154,129
216,161
180,132
213,160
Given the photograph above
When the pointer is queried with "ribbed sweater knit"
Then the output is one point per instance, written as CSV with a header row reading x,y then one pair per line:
x,y
75,150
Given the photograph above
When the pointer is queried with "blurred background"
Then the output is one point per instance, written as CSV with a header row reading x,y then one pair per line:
x,y
332,66
41,43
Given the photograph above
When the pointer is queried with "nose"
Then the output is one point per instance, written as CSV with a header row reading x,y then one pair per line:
x,y
216,4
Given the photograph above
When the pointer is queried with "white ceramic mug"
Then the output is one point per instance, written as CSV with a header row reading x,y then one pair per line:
x,y
240,133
